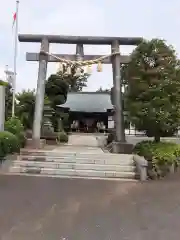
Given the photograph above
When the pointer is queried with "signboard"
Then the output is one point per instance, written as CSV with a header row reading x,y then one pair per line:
x,y
110,122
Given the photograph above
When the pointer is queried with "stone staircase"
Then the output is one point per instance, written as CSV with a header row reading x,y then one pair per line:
x,y
71,162
82,157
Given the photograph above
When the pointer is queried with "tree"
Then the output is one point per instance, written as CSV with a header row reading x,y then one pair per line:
x,y
75,81
104,90
25,107
56,93
56,90
152,96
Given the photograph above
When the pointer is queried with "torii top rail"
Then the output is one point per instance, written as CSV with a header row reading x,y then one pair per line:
x,y
79,39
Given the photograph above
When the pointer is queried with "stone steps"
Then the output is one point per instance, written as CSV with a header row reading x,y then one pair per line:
x,y
84,159
75,162
75,166
76,154
73,172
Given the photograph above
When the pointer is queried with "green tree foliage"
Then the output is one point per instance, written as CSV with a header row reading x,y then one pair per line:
x,y
9,144
25,107
56,94
56,90
75,81
3,83
152,96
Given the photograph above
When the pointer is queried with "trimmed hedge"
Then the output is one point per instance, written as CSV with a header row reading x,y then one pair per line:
x,y
160,156
9,144
14,126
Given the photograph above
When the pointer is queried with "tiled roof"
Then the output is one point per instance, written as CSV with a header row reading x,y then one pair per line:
x,y
88,102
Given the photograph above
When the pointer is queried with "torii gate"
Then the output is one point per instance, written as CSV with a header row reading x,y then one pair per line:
x,y
120,145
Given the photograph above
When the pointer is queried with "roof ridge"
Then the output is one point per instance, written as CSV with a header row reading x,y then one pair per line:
x,y
88,102
89,93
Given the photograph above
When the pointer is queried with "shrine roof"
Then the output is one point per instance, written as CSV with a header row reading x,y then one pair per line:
x,y
88,102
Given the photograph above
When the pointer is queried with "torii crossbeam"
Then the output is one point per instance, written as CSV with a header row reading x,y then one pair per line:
x,y
31,57
120,144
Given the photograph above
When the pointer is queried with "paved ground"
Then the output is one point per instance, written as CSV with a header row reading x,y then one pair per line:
x,y
80,139
77,149
83,140
44,208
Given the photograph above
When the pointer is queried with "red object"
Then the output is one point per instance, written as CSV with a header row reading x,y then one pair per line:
x,y
14,18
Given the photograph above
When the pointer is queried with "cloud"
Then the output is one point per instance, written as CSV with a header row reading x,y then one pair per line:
x,y
84,17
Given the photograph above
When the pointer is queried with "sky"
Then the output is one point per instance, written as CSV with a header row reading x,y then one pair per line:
x,y
117,18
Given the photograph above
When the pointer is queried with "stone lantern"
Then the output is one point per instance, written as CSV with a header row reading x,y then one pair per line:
x,y
47,129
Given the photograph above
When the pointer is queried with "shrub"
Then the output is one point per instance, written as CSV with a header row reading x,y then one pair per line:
x,y
144,148
62,137
14,126
160,155
9,144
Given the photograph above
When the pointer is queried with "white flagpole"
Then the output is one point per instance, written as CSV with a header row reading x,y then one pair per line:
x,y
15,57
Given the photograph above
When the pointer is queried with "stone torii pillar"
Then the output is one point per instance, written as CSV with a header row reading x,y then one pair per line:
x,y
117,83
39,105
120,144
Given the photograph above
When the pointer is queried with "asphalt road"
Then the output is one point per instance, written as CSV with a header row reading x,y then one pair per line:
x,y
34,208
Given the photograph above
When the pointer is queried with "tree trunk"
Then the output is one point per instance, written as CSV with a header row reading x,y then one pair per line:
x,y
157,138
